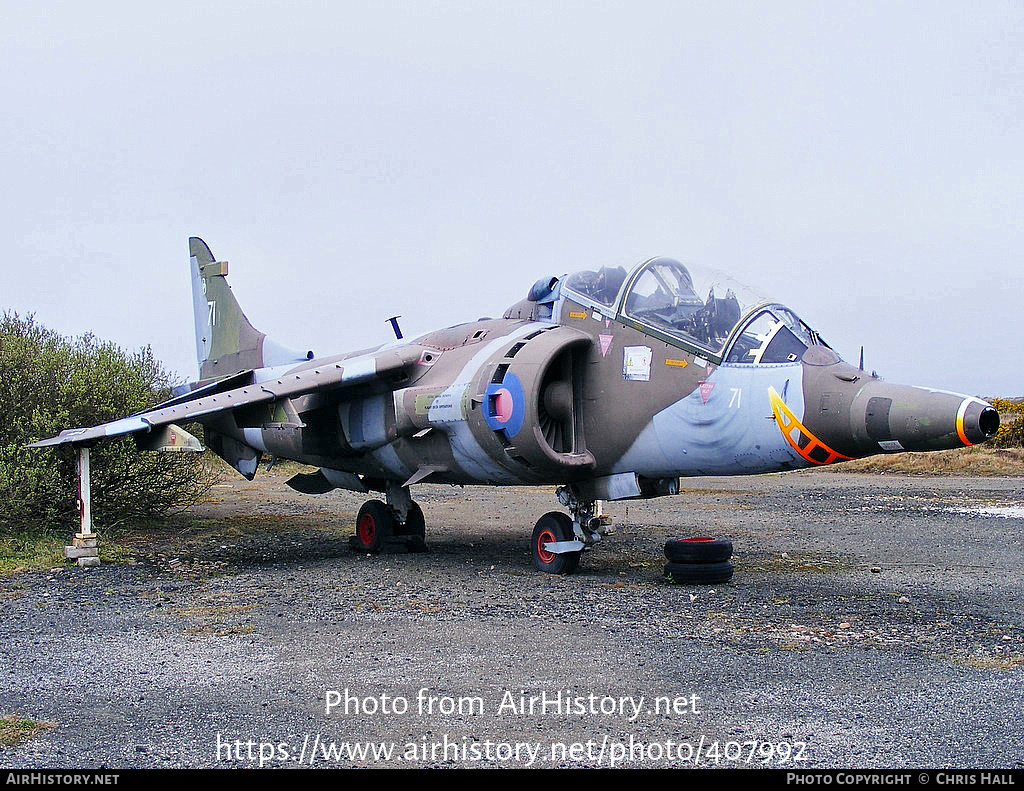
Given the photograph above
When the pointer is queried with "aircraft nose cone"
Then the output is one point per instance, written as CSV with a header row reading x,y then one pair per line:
x,y
854,417
977,422
897,417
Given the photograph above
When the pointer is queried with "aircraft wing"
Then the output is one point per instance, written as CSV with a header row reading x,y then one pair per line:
x,y
331,375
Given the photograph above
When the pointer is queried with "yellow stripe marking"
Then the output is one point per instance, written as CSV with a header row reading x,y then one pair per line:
x,y
961,413
797,435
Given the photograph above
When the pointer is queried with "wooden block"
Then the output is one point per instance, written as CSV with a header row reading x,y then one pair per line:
x,y
72,553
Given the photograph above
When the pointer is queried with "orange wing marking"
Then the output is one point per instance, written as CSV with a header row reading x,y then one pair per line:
x,y
797,435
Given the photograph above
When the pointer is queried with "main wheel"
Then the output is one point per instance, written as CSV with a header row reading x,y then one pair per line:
x,y
551,527
374,526
414,530
415,524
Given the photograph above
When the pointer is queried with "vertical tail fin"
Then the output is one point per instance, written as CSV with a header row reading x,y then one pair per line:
x,y
225,340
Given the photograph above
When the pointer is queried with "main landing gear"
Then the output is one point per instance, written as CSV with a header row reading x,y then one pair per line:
x,y
395,525
556,545
559,539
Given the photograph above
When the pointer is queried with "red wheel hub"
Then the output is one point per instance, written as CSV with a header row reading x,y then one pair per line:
x,y
545,537
367,529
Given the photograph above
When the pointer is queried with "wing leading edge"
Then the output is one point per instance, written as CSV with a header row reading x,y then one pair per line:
x,y
327,375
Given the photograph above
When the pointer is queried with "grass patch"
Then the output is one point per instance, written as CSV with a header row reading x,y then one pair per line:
x,y
42,552
992,661
216,619
217,613
190,545
28,552
15,729
217,631
978,460
416,606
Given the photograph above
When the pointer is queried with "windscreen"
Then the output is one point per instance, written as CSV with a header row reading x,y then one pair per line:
x,y
775,335
693,305
701,307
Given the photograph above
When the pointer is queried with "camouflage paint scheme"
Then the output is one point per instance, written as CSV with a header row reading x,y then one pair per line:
x,y
607,383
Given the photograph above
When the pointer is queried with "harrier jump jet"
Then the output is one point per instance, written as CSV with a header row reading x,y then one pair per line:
x,y
609,384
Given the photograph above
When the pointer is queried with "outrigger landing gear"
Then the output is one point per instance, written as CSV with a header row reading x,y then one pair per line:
x,y
397,525
559,540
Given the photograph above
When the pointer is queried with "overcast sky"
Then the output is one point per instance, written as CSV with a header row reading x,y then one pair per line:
x,y
862,162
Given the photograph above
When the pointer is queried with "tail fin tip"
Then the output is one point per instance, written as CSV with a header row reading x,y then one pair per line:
x,y
225,340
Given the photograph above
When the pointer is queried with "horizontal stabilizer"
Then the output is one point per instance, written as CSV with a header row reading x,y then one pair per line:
x,y
194,390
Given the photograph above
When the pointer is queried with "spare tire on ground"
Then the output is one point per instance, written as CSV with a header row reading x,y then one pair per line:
x,y
698,549
699,573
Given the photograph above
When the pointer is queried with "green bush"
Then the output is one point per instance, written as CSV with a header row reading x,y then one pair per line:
x,y
1011,428
49,383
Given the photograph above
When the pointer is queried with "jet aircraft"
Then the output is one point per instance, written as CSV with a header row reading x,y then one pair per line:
x,y
606,383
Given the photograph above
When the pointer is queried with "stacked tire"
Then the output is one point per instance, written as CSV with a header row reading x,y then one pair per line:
x,y
699,560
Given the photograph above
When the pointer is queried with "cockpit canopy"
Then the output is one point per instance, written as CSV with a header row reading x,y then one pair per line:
x,y
698,309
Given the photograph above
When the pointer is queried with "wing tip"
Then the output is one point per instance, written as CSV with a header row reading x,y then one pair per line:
x,y
66,436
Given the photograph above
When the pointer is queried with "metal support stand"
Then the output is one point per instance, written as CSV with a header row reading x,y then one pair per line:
x,y
84,545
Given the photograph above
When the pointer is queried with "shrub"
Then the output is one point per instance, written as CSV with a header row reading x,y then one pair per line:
x,y
49,383
1011,428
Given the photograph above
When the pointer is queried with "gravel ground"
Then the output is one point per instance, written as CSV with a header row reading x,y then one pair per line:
x,y
874,621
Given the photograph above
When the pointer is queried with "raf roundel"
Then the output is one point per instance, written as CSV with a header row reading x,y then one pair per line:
x,y
505,405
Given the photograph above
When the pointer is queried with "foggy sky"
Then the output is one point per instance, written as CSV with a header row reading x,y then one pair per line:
x,y
861,162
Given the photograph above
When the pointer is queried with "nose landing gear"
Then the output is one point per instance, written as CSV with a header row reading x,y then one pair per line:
x,y
553,545
559,539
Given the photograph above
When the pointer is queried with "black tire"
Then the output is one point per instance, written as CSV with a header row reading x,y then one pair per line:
x,y
698,549
375,524
414,531
553,526
699,573
415,524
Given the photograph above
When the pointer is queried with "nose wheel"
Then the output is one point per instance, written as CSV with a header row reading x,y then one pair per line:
x,y
550,544
559,539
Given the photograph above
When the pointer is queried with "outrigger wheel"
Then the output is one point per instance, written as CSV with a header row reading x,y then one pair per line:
x,y
552,528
